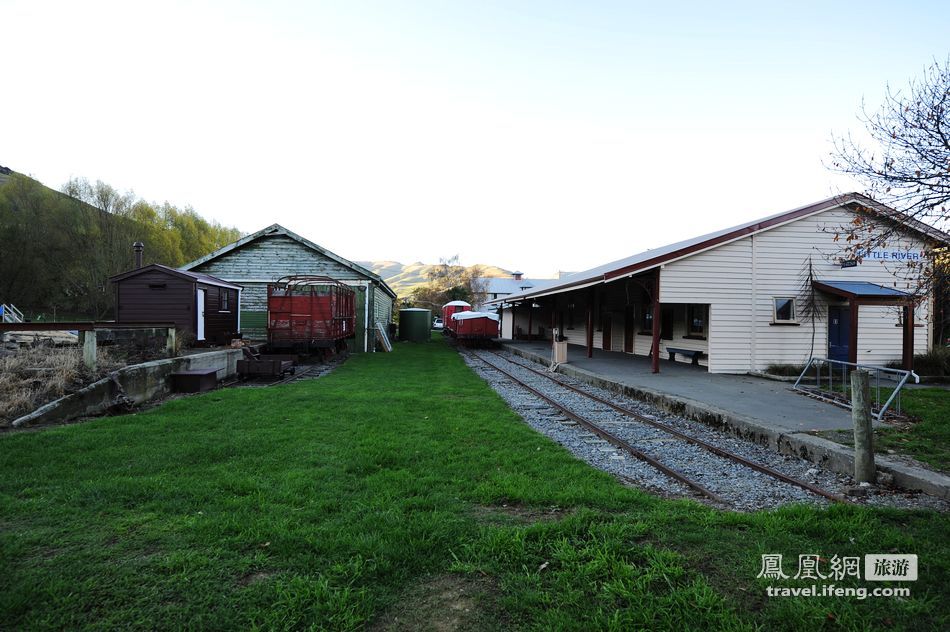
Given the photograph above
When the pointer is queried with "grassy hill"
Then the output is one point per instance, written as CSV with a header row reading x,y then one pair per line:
x,y
402,278
68,245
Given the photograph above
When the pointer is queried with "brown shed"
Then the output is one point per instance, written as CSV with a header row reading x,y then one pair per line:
x,y
199,304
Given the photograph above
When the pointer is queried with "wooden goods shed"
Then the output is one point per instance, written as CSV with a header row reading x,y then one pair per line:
x,y
200,305
264,257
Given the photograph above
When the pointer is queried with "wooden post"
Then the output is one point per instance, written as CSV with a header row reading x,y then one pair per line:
x,y
853,340
170,342
908,350
88,339
656,323
590,324
863,433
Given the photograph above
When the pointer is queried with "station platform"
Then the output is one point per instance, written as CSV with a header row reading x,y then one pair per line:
x,y
765,402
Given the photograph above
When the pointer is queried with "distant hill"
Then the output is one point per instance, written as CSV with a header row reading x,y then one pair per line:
x,y
402,278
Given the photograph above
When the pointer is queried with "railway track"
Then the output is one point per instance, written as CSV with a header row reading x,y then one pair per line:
x,y
302,372
681,457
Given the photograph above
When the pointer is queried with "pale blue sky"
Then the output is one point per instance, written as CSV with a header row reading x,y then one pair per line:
x,y
576,132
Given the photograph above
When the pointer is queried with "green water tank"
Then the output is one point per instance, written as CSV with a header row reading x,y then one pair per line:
x,y
415,324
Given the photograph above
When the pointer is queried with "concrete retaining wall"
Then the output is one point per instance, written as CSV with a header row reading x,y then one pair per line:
x,y
128,386
823,452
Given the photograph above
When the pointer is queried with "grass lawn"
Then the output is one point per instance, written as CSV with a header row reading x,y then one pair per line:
x,y
926,437
399,491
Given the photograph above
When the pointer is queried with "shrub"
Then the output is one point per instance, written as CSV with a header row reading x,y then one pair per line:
x,y
935,362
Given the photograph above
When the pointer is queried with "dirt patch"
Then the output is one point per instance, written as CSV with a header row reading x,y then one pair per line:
x,y
519,514
249,579
442,603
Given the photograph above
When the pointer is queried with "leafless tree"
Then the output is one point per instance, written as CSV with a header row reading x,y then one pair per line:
x,y
908,166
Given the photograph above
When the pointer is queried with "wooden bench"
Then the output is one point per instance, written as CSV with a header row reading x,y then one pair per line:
x,y
194,380
692,354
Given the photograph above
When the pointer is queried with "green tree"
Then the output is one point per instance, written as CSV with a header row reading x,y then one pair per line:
x,y
450,281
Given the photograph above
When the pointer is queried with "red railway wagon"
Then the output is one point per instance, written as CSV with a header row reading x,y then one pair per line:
x,y
450,308
475,326
310,313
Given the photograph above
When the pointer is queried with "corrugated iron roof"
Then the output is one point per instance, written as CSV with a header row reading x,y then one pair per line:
x,y
862,289
469,315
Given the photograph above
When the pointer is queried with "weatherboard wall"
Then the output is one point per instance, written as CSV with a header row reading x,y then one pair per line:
x,y
155,296
271,257
739,281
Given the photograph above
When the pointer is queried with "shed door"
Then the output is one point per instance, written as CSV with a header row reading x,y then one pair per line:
x,y
200,314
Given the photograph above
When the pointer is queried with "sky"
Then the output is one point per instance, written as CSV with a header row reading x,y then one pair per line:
x,y
538,136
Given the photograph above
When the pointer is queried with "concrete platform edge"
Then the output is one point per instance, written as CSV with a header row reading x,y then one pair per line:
x,y
138,383
823,452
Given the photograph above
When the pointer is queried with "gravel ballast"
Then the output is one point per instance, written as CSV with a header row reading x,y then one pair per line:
x,y
741,487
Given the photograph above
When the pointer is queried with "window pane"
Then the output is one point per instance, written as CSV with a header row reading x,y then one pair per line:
x,y
784,309
696,319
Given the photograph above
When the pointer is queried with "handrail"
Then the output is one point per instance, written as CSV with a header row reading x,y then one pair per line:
x,y
10,314
900,376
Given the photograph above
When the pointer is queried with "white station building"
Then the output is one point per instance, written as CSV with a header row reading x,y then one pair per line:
x,y
737,300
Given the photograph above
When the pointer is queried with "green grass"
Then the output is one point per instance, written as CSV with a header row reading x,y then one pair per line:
x,y
346,501
928,437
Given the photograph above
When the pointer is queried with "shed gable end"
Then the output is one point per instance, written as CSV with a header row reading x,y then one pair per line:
x,y
272,257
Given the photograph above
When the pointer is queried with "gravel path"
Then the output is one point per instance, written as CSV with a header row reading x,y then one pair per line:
x,y
742,488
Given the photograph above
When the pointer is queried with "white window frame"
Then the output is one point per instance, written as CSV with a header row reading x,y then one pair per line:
x,y
775,318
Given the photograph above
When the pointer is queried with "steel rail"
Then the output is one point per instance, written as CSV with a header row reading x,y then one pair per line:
x,y
255,382
610,437
764,469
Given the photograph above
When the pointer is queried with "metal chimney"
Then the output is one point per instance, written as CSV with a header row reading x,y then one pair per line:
x,y
138,248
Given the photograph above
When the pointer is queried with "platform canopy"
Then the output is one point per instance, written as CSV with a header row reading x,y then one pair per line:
x,y
859,293
862,290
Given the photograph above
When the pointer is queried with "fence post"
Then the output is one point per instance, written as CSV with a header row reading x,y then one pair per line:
x,y
89,349
170,342
863,433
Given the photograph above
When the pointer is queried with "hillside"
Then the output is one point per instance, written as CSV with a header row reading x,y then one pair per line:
x,y
402,278
68,243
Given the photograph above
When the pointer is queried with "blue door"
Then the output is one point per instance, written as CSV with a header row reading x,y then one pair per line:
x,y
839,332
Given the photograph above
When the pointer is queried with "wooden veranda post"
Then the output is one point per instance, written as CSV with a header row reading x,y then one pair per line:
x,y
590,324
907,359
853,339
655,361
